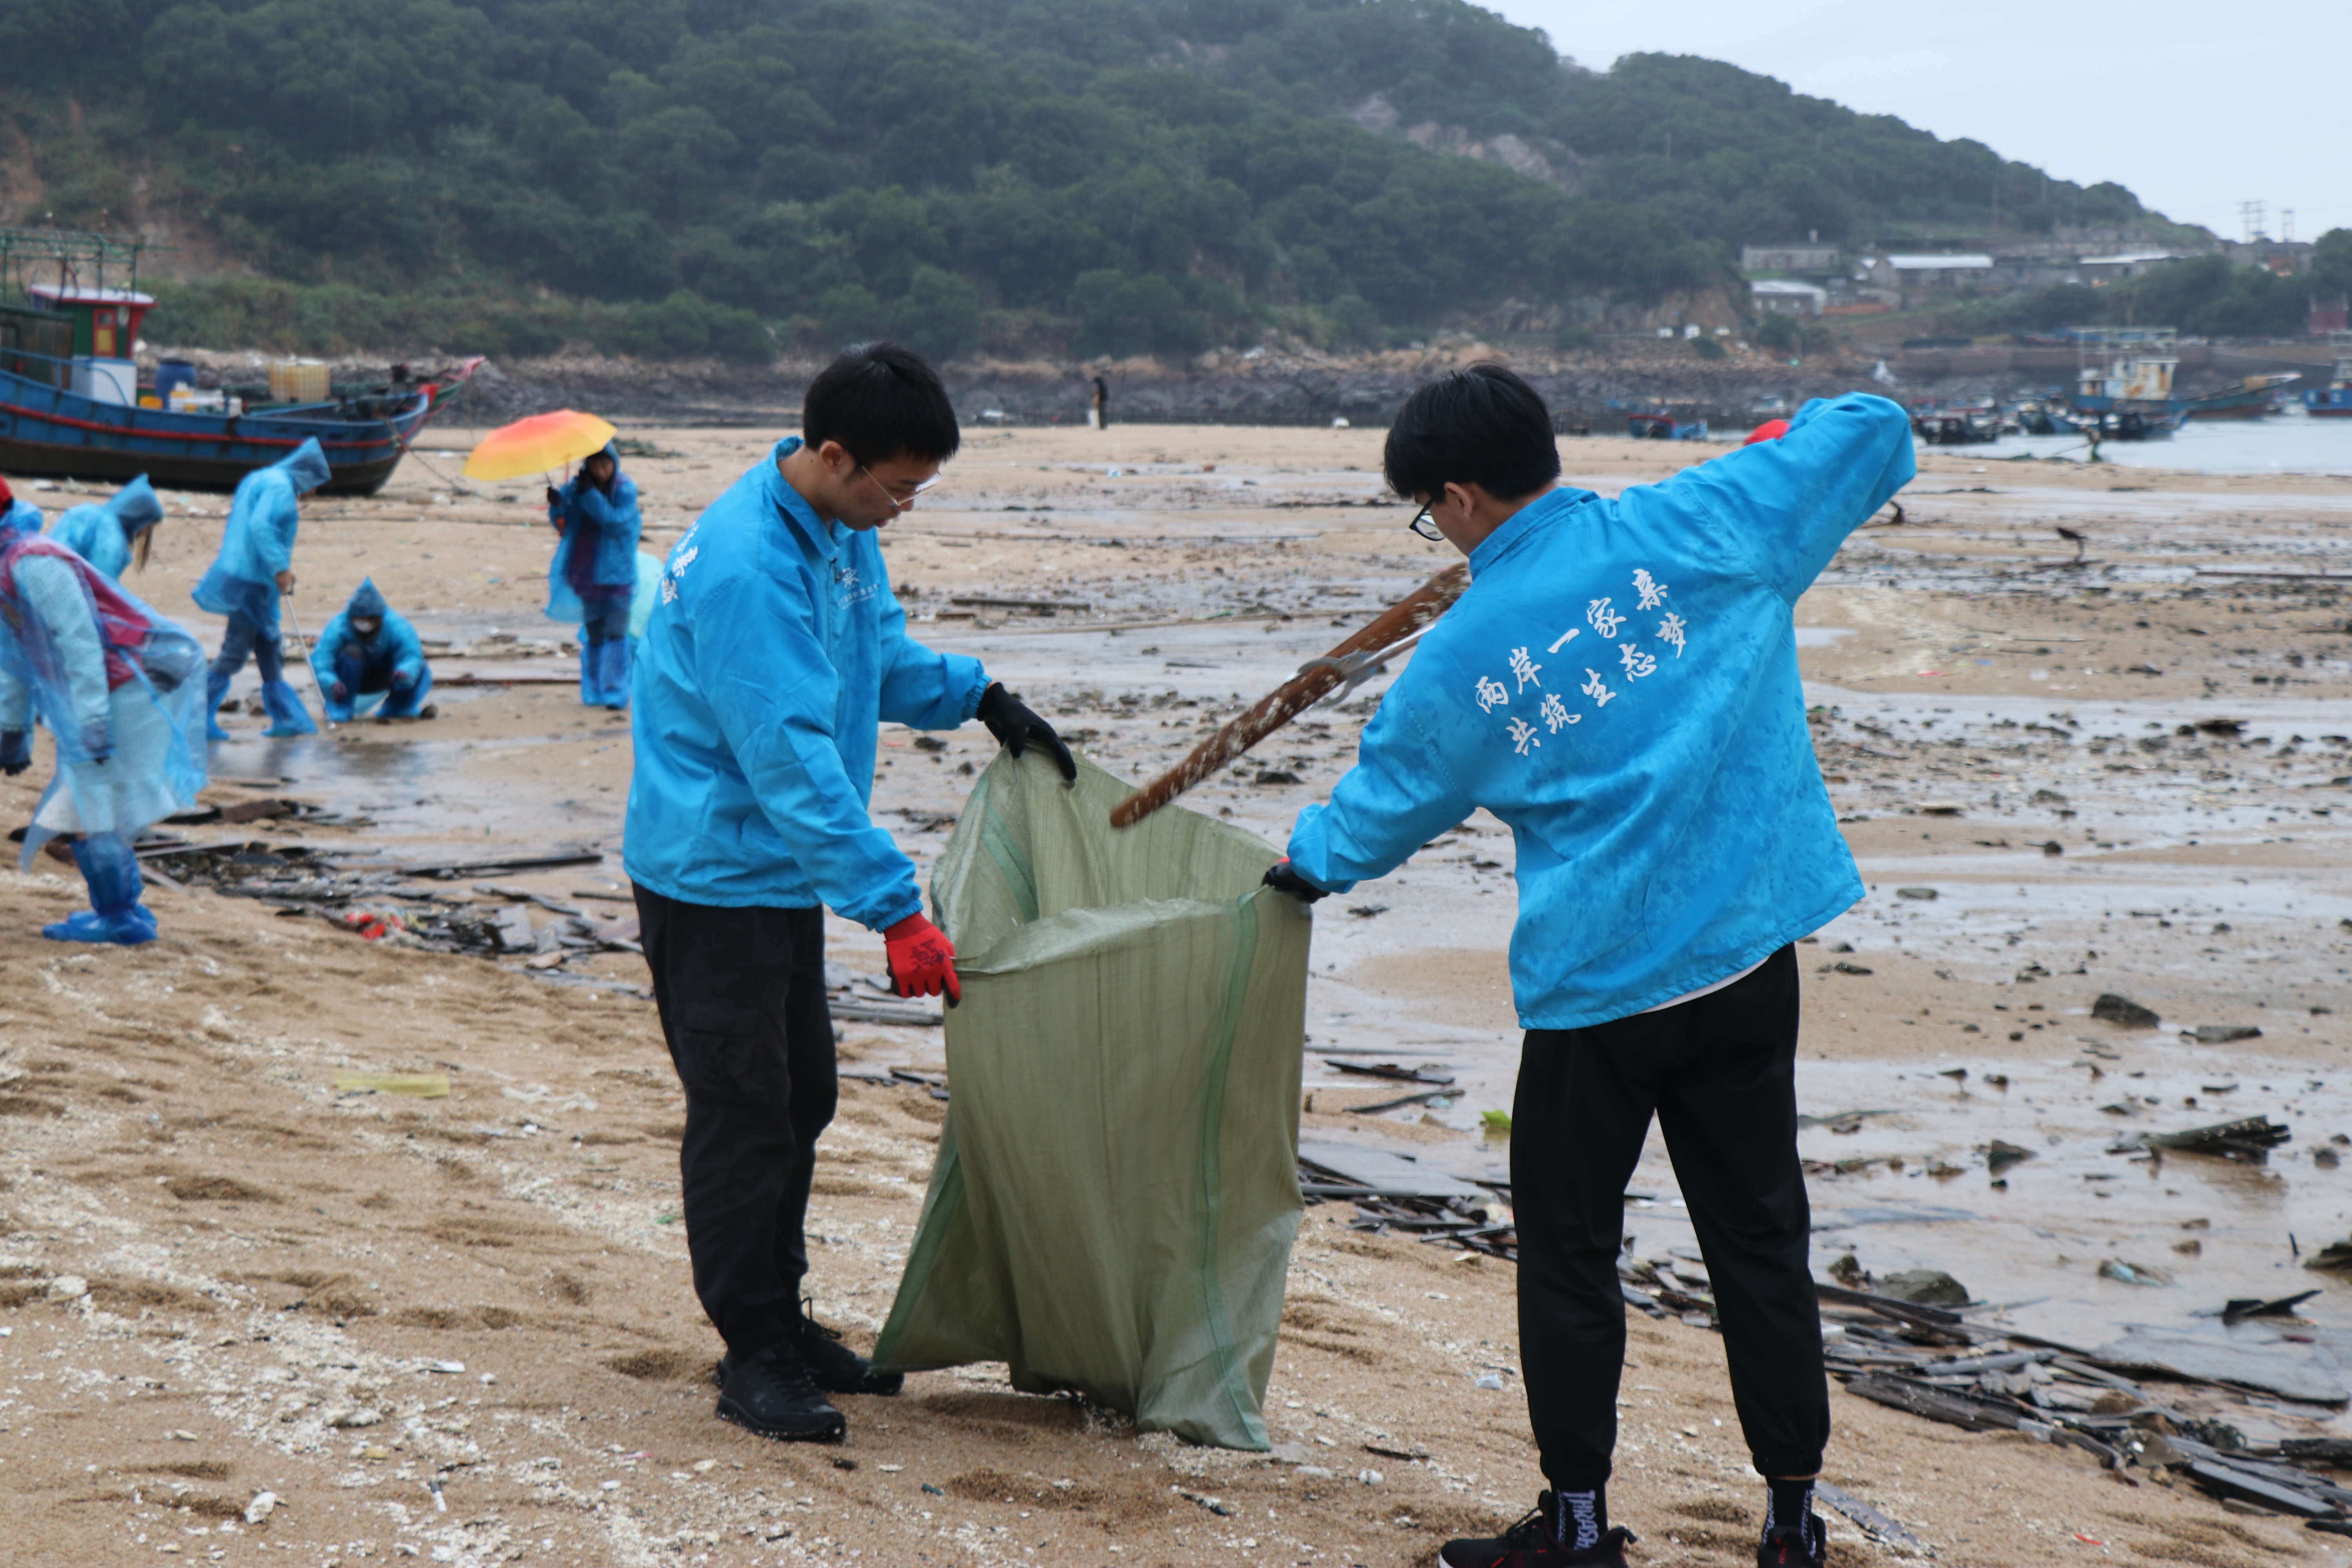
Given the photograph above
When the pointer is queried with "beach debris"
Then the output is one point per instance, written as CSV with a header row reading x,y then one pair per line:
x,y
2221,1034
2237,1309
2335,1257
2122,1010
1872,1522
1940,808
1427,1097
1388,1069
2124,1273
263,1505
1924,1288
2250,1138
1849,1272
421,1085
1496,1120
1925,895
2000,1154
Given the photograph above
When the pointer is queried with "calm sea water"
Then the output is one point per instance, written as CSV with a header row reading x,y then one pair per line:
x,y
2282,444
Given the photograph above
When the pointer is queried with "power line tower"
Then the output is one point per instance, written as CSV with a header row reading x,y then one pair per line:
x,y
2286,225
2250,214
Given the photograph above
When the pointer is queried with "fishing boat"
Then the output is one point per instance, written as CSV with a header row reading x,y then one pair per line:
x,y
2260,394
1955,427
72,405
2123,382
2334,401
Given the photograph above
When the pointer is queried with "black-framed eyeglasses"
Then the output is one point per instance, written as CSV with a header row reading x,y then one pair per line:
x,y
1425,525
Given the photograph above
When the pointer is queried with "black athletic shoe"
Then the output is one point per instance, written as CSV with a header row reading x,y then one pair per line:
x,y
1793,1546
770,1394
1534,1542
834,1366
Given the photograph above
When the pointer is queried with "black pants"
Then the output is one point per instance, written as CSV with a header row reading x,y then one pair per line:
x,y
1719,1074
741,993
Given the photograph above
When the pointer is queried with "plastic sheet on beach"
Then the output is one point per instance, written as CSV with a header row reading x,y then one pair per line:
x,y
1116,1191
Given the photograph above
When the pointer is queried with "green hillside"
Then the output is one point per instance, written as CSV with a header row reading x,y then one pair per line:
x,y
689,176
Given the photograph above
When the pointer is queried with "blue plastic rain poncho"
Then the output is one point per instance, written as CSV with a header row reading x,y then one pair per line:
x,y
774,654
118,687
356,673
649,595
593,578
257,545
103,533
1619,686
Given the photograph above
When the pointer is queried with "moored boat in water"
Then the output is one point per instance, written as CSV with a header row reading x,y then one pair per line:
x,y
2334,401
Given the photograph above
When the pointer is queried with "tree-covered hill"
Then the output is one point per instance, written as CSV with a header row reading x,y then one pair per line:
x,y
688,176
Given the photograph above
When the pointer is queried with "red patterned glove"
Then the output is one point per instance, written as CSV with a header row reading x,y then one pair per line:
x,y
921,960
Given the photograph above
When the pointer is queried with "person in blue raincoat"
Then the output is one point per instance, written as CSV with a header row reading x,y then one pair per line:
x,y
1618,685
118,687
255,566
593,580
369,655
113,534
775,653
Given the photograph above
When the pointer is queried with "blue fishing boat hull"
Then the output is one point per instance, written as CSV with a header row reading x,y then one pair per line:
x,y
47,430
2330,402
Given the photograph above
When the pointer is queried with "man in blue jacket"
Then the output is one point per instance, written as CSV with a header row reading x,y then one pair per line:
x,y
1619,686
370,654
774,650
254,567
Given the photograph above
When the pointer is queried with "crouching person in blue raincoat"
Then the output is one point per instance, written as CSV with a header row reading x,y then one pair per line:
x,y
593,580
370,654
113,534
119,688
256,565
1618,685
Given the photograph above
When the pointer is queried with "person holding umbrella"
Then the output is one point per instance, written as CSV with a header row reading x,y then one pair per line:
x,y
593,580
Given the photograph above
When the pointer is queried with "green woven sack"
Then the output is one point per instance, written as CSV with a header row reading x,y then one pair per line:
x,y
1116,1185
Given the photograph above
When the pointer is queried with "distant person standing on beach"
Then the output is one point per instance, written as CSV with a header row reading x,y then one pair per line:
x,y
1619,686
1102,404
256,565
593,578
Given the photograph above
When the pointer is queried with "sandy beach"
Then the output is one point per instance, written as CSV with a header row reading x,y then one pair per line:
x,y
461,1328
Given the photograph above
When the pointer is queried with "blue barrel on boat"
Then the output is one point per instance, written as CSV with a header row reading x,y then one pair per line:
x,y
172,374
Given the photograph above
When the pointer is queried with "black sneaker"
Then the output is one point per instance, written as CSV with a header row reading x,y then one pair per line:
x,y
1534,1542
1795,1546
770,1394
834,1366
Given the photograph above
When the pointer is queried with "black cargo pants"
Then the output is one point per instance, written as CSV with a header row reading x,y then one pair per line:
x,y
1718,1072
742,1001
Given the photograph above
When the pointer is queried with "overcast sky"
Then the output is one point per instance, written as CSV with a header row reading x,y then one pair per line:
x,y
2195,105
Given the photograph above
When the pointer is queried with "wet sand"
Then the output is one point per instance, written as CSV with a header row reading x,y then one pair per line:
x,y
226,1277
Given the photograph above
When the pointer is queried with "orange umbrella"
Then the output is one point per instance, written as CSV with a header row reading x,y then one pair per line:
x,y
538,445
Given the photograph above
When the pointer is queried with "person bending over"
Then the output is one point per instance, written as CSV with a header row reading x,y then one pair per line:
x,y
254,567
1620,687
370,654
774,649
111,534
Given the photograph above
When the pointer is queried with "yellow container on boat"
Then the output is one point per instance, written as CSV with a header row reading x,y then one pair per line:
x,y
297,380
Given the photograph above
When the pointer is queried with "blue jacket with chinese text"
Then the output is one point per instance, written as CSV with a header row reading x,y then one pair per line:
x,y
1620,687
774,650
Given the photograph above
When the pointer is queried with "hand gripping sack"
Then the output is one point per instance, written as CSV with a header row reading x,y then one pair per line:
x,y
1116,1189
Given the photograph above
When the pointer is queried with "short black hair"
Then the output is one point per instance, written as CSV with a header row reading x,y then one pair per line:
x,y
881,401
1481,425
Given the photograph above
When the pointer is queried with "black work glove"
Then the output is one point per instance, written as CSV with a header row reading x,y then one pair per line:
x,y
1015,727
16,750
554,496
1281,875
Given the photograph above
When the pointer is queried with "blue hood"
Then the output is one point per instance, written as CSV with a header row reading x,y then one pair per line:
x,y
367,603
307,467
136,508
